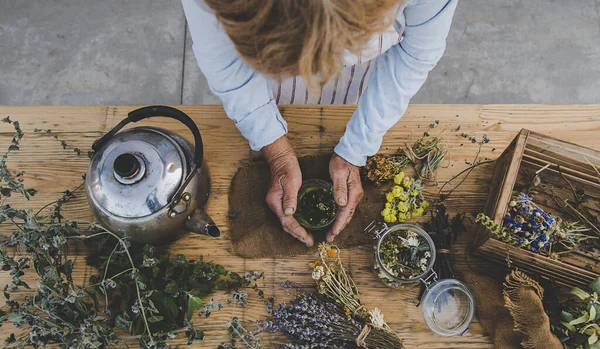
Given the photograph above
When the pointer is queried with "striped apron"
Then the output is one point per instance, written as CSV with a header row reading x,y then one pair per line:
x,y
353,80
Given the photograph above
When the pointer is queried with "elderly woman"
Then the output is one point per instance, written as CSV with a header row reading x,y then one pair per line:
x,y
256,54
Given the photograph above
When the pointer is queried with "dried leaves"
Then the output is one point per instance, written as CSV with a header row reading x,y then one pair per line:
x,y
426,155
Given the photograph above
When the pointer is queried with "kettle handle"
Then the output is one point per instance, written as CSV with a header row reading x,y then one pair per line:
x,y
153,111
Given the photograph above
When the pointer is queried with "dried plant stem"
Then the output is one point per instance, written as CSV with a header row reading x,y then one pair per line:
x,y
59,200
567,207
104,277
137,287
470,168
577,199
341,286
593,166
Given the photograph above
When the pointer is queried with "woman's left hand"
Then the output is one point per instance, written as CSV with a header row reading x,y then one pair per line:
x,y
347,190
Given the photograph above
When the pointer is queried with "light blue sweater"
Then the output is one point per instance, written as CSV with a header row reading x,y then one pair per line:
x,y
396,77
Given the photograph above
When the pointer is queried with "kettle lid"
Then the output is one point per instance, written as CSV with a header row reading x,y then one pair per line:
x,y
137,172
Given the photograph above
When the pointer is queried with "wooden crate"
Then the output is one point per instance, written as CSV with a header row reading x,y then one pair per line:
x,y
528,153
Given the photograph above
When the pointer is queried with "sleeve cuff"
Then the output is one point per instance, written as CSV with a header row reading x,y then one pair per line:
x,y
263,126
346,153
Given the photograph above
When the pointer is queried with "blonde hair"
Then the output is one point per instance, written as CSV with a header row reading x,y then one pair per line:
x,y
283,38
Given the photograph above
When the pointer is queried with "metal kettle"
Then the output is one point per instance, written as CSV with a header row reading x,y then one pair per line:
x,y
149,183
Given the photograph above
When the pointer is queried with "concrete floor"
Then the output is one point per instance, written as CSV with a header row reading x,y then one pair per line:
x,y
138,52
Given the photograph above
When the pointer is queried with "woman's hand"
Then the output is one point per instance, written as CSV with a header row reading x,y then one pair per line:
x,y
347,190
286,180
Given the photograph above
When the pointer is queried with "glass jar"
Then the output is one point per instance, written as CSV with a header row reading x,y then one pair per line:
x,y
387,276
321,210
447,305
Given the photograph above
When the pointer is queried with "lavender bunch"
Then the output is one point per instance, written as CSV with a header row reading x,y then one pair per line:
x,y
314,322
311,321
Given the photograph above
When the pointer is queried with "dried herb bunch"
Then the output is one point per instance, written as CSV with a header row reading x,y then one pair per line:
x,y
137,288
444,232
312,321
404,255
334,283
405,200
576,322
528,226
426,154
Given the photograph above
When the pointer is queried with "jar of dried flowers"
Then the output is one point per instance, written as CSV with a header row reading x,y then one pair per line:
x,y
405,254
317,208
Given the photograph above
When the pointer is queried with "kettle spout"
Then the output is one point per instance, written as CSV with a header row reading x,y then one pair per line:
x,y
200,222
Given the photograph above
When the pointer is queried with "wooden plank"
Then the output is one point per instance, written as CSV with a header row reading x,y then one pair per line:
x,y
313,129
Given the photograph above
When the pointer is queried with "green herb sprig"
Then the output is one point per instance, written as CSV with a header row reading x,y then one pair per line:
x,y
576,322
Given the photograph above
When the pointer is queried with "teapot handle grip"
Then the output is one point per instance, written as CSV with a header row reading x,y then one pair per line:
x,y
153,111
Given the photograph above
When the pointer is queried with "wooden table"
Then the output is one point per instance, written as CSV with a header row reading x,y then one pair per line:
x,y
313,129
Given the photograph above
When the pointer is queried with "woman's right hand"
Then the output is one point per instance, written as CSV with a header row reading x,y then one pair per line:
x,y
286,180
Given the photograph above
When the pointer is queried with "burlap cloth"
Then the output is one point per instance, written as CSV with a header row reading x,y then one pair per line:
x,y
255,230
512,313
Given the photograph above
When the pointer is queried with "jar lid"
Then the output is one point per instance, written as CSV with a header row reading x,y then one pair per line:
x,y
136,173
448,307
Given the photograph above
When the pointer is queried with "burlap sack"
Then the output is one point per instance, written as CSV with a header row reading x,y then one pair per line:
x,y
512,314
523,298
255,230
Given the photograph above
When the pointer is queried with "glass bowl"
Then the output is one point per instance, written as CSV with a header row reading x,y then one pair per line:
x,y
316,205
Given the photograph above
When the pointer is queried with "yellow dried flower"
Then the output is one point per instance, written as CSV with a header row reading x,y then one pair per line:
x,y
397,190
403,197
402,207
415,192
389,197
314,264
330,252
386,212
402,218
424,204
407,182
388,205
418,212
346,310
398,178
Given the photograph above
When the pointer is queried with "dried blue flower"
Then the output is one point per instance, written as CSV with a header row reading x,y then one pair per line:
x,y
527,225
